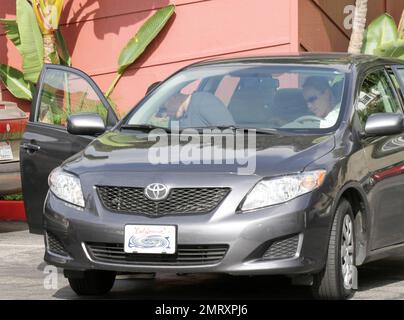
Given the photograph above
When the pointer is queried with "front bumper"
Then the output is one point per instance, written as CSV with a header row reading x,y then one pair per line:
x,y
247,235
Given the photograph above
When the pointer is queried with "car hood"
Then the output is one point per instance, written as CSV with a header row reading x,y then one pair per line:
x,y
275,154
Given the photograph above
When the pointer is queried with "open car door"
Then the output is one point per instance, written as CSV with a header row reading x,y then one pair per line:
x,y
61,92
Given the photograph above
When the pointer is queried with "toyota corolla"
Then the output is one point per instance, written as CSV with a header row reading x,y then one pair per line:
x,y
288,165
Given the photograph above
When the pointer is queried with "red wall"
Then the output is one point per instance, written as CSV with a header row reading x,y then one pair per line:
x,y
97,30
321,22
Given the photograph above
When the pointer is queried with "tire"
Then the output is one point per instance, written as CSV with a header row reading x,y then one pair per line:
x,y
329,284
94,283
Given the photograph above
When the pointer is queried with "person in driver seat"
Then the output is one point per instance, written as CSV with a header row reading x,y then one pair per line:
x,y
321,100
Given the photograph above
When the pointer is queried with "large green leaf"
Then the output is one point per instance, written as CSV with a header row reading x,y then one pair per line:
x,y
31,41
14,81
393,49
149,30
11,28
63,51
382,30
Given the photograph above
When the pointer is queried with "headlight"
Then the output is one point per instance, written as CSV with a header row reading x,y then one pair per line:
x,y
281,189
66,187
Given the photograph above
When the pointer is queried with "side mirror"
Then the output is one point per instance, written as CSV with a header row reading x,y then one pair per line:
x,y
384,124
152,86
89,124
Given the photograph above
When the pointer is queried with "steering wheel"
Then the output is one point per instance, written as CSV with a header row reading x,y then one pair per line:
x,y
308,118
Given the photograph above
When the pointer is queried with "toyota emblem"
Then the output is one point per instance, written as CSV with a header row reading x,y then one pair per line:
x,y
156,191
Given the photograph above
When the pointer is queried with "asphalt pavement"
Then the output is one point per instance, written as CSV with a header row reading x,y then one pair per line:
x,y
24,275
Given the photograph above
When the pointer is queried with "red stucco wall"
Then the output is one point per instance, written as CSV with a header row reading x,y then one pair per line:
x,y
96,31
321,22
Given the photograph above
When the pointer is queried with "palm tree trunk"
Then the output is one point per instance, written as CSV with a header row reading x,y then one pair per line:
x,y
49,44
358,29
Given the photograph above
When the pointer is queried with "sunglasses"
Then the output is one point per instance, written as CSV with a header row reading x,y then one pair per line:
x,y
311,99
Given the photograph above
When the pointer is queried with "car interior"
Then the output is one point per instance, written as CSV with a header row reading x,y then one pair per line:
x,y
257,100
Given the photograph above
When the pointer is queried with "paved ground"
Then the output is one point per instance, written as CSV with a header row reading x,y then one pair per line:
x,y
23,276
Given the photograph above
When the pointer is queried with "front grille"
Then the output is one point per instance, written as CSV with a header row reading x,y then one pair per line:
x,y
55,246
282,249
179,201
186,255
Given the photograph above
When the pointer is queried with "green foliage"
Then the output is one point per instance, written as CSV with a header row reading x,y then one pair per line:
x,y
12,197
149,30
32,48
14,81
63,51
394,49
137,45
380,31
11,28
382,38
25,34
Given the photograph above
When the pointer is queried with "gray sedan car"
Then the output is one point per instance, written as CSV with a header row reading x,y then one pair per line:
x,y
288,165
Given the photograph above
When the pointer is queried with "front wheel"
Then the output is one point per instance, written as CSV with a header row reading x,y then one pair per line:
x,y
93,283
338,278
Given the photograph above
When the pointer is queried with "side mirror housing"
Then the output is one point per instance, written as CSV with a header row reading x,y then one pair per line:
x,y
89,124
384,124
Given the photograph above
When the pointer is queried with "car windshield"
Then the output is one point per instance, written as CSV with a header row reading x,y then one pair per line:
x,y
262,97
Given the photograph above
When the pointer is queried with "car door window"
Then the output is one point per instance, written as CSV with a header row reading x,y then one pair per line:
x,y
63,94
376,96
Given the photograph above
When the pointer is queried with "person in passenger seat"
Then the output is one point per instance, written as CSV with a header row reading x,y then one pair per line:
x,y
203,109
167,112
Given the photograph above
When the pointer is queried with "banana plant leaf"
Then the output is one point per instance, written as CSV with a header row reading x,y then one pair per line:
x,y
14,81
48,14
63,51
31,41
11,28
380,31
393,49
149,30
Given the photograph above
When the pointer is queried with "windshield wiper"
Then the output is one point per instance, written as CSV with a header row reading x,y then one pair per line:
x,y
143,127
269,131
150,127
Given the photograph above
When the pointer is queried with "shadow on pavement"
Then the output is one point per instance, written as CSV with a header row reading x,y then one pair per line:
x,y
381,273
12,226
200,286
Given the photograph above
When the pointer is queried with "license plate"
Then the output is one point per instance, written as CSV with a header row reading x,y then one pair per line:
x,y
5,151
156,239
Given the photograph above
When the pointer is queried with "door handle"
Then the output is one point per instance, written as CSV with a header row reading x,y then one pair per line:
x,y
31,147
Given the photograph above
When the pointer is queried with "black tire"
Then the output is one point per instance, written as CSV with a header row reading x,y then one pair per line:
x,y
329,284
94,283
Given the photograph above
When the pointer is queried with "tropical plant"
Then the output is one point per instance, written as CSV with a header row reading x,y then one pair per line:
x,y
383,37
25,33
137,45
48,14
358,27
36,35
15,83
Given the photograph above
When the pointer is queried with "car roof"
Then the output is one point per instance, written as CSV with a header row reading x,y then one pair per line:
x,y
341,60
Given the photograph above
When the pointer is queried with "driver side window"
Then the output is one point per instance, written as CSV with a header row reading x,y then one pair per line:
x,y
376,96
63,94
